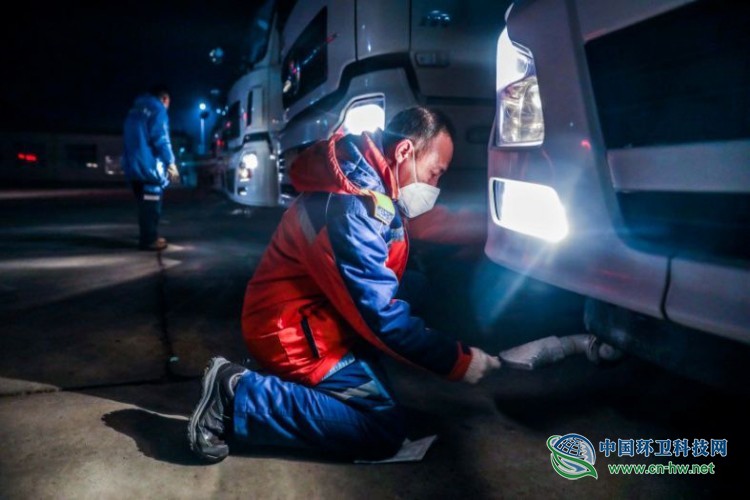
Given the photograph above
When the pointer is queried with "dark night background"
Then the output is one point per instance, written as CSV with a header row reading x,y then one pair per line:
x,y
77,66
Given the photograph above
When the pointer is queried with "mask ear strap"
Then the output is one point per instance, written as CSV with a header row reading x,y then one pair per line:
x,y
414,167
414,161
398,181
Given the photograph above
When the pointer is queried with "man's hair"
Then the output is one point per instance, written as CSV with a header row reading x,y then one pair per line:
x,y
418,124
159,90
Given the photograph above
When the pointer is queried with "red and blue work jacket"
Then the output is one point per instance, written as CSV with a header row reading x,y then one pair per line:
x,y
331,271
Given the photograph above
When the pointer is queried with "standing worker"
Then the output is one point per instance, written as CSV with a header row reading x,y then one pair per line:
x,y
149,162
321,307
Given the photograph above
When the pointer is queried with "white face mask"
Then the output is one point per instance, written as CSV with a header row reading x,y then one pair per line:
x,y
418,197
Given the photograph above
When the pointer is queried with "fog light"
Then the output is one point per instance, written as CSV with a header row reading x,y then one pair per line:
x,y
533,209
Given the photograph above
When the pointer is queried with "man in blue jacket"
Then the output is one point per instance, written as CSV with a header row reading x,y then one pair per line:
x,y
148,161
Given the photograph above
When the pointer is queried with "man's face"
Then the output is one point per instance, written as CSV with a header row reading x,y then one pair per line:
x,y
165,101
430,165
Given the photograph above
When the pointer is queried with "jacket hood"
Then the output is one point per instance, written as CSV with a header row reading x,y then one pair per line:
x,y
344,164
149,101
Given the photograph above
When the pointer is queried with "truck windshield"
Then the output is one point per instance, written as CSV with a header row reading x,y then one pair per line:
x,y
262,24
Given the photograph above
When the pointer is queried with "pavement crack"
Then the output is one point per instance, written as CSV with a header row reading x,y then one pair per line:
x,y
163,308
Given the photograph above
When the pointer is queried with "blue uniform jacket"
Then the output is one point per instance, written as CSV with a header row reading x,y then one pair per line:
x,y
147,147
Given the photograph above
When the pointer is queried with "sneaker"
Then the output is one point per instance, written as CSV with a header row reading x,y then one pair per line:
x,y
158,245
206,430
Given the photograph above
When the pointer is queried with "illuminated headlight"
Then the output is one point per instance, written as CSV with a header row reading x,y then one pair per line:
x,y
364,116
249,160
519,105
528,208
248,163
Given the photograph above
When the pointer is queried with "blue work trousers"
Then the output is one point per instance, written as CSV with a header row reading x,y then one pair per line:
x,y
351,413
149,199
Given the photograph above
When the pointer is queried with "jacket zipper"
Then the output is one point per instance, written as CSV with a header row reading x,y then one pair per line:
x,y
309,337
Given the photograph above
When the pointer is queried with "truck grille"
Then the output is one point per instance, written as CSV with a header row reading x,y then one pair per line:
x,y
683,76
229,179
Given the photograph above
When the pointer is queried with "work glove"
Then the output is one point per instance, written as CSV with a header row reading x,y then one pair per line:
x,y
481,364
173,174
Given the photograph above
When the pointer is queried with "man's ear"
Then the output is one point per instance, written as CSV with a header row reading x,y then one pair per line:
x,y
403,149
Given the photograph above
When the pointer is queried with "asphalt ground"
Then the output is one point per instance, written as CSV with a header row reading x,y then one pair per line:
x,y
102,349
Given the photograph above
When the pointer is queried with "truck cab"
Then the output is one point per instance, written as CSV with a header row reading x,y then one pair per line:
x,y
253,111
352,65
618,167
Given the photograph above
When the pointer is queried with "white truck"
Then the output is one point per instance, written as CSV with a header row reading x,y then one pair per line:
x,y
353,64
619,169
248,164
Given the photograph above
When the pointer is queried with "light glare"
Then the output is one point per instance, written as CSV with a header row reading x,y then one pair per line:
x,y
364,118
250,160
528,208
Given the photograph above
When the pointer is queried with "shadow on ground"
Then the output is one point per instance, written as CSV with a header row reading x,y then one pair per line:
x,y
86,242
164,438
157,436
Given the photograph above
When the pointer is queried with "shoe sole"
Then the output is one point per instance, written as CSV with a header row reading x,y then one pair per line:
x,y
157,246
209,376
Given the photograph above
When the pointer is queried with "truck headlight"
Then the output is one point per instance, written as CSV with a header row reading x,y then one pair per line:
x,y
249,160
366,115
519,105
248,163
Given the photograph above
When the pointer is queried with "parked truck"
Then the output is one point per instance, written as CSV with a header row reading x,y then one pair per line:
x,y
352,65
243,147
619,169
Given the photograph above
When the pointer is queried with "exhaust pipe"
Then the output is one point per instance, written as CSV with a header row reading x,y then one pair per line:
x,y
553,349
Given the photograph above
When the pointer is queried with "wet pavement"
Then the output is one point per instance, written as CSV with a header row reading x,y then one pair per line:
x,y
102,348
